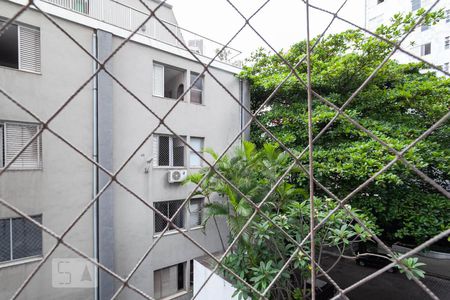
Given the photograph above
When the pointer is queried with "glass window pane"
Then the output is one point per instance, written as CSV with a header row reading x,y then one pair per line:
x,y
26,237
195,212
194,159
198,85
196,96
5,245
158,80
197,88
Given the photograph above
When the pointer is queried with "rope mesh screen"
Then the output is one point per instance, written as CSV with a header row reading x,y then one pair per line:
x,y
174,149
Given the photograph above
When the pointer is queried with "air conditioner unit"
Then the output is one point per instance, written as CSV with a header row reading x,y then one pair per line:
x,y
177,176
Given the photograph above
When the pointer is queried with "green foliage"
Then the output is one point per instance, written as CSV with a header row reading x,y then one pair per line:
x,y
397,105
262,249
413,265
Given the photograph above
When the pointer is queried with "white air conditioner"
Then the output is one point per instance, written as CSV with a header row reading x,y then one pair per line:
x,y
177,176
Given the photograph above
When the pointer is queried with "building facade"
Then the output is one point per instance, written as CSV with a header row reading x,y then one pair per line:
x,y
432,43
108,119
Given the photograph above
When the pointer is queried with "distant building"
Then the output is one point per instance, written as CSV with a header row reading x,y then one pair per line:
x,y
432,43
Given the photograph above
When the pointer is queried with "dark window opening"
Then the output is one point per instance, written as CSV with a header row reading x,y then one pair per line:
x,y
9,47
191,274
180,277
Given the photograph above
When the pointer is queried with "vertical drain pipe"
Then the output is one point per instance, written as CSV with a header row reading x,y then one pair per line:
x,y
95,158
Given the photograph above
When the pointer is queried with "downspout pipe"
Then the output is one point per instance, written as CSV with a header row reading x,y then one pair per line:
x,y
95,158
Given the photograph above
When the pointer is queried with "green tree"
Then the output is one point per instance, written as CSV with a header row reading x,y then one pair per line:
x,y
398,105
262,249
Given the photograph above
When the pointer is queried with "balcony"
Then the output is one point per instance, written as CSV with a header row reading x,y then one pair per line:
x,y
123,16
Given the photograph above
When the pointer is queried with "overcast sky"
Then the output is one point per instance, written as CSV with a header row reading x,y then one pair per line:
x,y
280,22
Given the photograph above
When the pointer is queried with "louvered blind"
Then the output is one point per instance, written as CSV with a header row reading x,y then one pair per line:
x,y
29,49
16,137
158,80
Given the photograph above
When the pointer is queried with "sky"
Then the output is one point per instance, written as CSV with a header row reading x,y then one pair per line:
x,y
281,22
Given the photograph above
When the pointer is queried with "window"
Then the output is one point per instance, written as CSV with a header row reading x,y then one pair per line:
x,y
168,209
169,151
169,281
195,212
168,82
13,137
197,144
447,42
20,48
425,49
380,1
191,274
197,88
415,4
20,238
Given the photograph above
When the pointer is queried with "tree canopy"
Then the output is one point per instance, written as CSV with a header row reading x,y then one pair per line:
x,y
398,105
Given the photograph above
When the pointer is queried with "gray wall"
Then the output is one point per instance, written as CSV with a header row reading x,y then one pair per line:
x,y
63,187
218,121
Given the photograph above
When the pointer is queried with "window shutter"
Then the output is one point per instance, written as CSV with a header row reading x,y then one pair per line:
x,y
158,80
16,137
29,49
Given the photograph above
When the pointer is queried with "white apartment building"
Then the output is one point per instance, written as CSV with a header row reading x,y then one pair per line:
x,y
41,68
432,43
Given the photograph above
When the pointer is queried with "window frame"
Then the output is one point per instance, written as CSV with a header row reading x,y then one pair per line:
x,y
181,269
11,241
21,30
164,67
182,214
202,91
201,151
423,49
190,213
4,145
156,152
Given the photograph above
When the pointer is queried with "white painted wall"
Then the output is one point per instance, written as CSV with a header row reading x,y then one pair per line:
x,y
216,288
